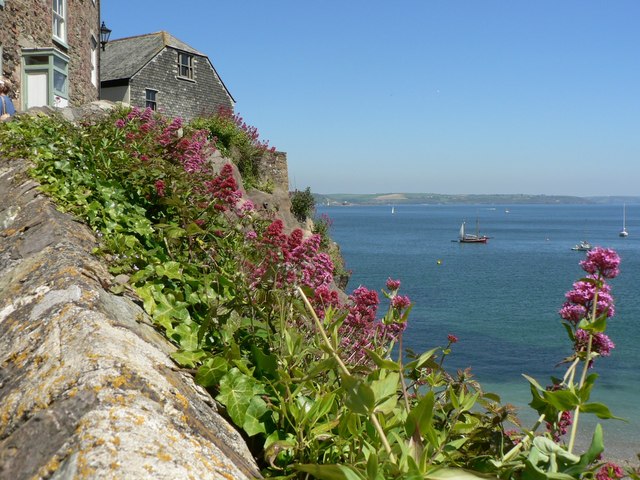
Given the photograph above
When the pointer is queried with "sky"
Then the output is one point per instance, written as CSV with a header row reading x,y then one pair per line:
x,y
451,97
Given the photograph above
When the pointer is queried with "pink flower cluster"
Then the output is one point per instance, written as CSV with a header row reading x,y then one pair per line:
x,y
561,427
392,285
158,136
361,330
224,188
592,295
600,344
609,471
290,260
579,302
160,188
602,262
251,132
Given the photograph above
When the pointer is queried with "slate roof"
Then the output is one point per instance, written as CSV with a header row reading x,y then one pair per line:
x,y
124,57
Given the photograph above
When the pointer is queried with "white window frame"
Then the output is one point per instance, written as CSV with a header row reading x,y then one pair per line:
x,y
185,67
148,101
59,25
94,61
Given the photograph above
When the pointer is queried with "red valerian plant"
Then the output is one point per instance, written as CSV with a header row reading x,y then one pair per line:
x,y
588,306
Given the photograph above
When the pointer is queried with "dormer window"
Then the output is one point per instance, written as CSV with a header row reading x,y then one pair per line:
x,y
60,20
185,65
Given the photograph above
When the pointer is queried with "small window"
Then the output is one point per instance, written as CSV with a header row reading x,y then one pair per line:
x,y
185,65
150,99
60,20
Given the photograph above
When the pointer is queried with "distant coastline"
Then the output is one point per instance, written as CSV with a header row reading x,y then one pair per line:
x,y
467,199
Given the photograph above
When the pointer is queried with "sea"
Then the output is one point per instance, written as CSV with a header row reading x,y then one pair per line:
x,y
501,299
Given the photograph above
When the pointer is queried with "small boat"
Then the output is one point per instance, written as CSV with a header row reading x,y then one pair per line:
x,y
623,232
465,237
393,210
583,246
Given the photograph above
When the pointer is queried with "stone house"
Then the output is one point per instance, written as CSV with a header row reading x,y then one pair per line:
x,y
158,71
49,49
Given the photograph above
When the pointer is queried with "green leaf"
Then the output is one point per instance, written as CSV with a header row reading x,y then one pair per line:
x,y
171,270
331,472
210,373
256,409
383,362
320,408
533,382
186,336
422,359
421,416
168,308
236,393
372,466
599,409
595,449
385,392
563,400
188,359
597,326
585,392
359,396
266,364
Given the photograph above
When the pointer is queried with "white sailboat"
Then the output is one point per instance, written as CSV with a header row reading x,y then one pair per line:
x,y
623,232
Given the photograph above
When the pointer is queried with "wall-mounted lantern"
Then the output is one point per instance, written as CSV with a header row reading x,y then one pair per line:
x,y
105,32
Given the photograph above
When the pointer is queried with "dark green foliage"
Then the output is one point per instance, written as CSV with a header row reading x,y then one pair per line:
x,y
303,204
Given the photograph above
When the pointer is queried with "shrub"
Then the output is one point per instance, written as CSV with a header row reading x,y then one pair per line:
x,y
238,141
303,204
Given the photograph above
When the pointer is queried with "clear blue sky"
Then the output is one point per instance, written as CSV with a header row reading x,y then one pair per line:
x,y
537,97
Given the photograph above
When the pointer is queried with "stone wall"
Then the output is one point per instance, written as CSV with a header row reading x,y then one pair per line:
x,y
87,387
273,166
179,97
27,24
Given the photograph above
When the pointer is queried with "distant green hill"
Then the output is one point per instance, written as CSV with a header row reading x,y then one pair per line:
x,y
472,199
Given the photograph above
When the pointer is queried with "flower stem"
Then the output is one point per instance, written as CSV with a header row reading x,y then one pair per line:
x,y
525,439
583,377
345,370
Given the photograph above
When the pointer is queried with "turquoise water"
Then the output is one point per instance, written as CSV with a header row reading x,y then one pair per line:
x,y
501,299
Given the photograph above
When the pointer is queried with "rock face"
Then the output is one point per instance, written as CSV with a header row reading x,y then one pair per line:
x,y
87,389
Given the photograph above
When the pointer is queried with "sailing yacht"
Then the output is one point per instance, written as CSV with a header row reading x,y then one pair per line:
x,y
465,237
623,232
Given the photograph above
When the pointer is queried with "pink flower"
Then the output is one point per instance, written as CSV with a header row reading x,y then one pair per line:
x,y
452,338
393,285
600,344
609,471
400,302
120,123
602,261
160,188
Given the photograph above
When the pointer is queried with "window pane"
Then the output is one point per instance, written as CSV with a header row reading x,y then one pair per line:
x,y
36,60
59,63
60,82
